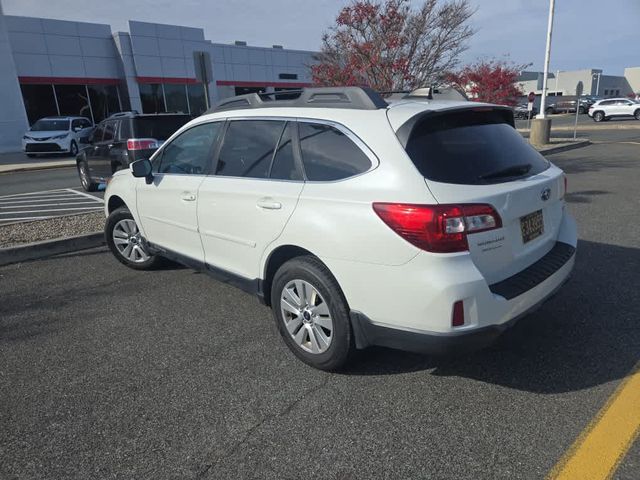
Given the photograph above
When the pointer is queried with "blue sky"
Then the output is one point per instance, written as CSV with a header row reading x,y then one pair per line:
x,y
587,33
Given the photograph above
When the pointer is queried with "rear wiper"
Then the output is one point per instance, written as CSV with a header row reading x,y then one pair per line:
x,y
511,171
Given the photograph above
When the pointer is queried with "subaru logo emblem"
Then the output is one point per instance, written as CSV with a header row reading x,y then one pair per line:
x,y
545,194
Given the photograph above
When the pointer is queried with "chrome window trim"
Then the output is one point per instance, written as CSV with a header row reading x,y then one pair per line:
x,y
375,162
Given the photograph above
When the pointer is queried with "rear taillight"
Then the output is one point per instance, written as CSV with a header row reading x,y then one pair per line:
x,y
566,184
142,144
438,228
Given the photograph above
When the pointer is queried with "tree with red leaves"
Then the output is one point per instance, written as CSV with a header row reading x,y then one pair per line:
x,y
491,81
389,45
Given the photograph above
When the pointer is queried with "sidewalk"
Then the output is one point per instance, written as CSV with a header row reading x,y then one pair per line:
x,y
18,161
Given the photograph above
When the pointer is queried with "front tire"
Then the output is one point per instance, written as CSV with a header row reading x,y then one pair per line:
x,y
598,116
312,314
549,111
126,243
73,148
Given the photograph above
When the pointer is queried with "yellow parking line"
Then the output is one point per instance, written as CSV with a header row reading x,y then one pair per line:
x,y
601,447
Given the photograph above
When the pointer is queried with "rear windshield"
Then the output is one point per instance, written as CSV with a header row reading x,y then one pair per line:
x,y
50,125
160,127
472,148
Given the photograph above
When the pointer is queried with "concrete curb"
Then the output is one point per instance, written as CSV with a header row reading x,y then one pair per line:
x,y
564,147
47,248
18,167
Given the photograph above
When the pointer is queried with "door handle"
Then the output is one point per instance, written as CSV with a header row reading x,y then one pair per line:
x,y
269,204
188,196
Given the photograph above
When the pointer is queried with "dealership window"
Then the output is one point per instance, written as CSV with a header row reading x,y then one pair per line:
x,y
39,101
152,98
73,100
287,96
105,101
245,90
197,100
176,98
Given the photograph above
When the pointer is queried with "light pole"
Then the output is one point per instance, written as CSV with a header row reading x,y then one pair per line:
x,y
598,82
547,56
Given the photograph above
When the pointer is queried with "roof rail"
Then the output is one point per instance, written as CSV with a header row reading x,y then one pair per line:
x,y
359,98
124,114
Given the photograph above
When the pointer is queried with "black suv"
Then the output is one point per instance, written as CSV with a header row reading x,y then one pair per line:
x,y
121,139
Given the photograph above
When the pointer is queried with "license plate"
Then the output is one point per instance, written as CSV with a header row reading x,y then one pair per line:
x,y
532,226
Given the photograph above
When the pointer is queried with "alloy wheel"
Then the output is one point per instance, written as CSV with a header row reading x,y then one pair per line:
x,y
128,241
306,316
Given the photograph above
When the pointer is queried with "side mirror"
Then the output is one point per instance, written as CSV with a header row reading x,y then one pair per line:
x,y
142,169
77,129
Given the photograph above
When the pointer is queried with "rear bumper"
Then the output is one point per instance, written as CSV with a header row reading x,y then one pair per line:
x,y
367,333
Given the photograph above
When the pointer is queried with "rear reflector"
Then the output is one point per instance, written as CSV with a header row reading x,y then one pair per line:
x,y
438,228
457,317
142,144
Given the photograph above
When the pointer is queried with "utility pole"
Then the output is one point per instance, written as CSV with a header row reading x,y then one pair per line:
x,y
547,56
598,83
557,75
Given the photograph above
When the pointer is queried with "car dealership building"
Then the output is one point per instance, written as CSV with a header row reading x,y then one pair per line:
x,y
56,67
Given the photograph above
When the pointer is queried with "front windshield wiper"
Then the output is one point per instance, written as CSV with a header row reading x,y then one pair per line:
x,y
512,171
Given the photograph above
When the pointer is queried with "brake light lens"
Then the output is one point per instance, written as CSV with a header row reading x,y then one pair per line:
x,y
142,144
438,228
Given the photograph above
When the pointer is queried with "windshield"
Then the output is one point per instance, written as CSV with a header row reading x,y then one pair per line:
x,y
160,127
50,125
471,148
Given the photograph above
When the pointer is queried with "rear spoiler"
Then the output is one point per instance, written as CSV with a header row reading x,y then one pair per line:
x,y
406,129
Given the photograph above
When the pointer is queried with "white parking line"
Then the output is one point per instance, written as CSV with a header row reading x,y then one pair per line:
x,y
46,204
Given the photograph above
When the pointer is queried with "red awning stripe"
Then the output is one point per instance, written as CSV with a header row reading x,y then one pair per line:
x,y
69,80
234,83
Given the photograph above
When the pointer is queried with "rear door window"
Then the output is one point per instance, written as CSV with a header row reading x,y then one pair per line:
x,y
109,131
248,148
472,148
329,154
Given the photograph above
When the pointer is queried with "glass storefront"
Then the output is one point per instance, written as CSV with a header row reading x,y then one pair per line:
x,y
152,98
95,102
73,100
171,97
39,101
197,99
176,97
104,101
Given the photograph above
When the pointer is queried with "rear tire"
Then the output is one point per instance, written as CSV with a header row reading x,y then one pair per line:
x,y
598,116
312,314
636,114
126,243
85,177
582,111
549,111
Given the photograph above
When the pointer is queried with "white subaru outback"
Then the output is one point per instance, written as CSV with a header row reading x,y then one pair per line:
x,y
425,225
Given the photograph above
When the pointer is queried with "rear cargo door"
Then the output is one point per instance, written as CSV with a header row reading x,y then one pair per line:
x,y
477,156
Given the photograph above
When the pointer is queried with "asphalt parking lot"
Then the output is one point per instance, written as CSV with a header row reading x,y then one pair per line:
x,y
107,372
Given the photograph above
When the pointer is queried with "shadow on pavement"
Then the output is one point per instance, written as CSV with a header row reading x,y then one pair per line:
x,y
583,196
585,336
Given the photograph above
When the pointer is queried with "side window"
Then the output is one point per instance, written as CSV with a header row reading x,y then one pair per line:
x,y
284,164
76,124
328,154
189,153
97,134
85,123
248,147
125,130
109,131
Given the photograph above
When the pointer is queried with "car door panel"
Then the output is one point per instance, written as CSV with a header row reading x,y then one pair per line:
x,y
240,217
167,206
246,205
